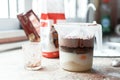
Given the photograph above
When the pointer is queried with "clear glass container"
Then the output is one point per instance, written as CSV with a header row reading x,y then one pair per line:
x,y
76,44
32,55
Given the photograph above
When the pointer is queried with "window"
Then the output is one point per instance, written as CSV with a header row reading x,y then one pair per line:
x,y
8,14
70,8
76,8
10,8
4,13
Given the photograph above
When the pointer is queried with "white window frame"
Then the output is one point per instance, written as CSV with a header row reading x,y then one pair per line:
x,y
10,23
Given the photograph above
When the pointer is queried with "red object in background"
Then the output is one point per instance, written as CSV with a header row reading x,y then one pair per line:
x,y
54,17
31,25
106,1
52,12
51,54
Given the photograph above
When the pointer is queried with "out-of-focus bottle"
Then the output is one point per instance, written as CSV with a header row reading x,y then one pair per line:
x,y
105,16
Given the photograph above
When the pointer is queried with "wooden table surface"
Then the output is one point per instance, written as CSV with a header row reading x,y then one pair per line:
x,y
12,68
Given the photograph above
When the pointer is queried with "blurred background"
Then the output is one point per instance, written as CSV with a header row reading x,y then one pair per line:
x,y
104,12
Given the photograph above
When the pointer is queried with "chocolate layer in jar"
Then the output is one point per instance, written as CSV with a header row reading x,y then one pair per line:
x,y
78,46
70,43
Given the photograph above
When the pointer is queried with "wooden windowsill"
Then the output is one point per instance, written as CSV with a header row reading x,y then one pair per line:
x,y
9,36
13,39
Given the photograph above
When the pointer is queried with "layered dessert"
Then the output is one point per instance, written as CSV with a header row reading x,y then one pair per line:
x,y
76,54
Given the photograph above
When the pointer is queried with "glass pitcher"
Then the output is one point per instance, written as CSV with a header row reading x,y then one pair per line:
x,y
76,44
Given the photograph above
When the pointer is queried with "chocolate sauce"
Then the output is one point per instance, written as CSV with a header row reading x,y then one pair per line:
x,y
85,46
77,50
